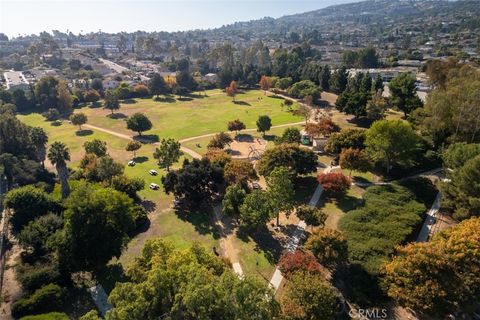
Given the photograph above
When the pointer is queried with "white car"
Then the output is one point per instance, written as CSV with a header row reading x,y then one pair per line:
x,y
131,163
154,186
153,172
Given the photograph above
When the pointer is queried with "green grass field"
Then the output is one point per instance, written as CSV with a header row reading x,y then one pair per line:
x,y
193,116
335,208
69,134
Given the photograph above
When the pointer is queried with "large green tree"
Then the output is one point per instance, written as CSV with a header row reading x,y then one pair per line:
x,y
168,152
96,146
462,192
291,156
264,123
195,182
256,210
28,203
111,101
308,296
280,192
403,92
157,85
188,284
441,276
391,142
139,122
97,222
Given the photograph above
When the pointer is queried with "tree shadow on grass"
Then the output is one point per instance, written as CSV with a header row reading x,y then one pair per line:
x,y
323,103
242,103
264,242
150,206
196,96
344,203
129,101
270,137
362,122
199,217
167,99
147,138
141,159
185,99
56,123
117,115
364,183
84,132
304,188
244,137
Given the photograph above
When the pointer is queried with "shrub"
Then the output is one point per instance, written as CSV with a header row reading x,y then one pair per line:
x,y
92,96
328,246
304,88
311,215
46,299
389,215
334,183
299,260
27,203
35,234
34,276
51,114
309,296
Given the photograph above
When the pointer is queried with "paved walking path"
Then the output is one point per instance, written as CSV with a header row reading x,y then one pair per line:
x,y
430,220
298,234
100,298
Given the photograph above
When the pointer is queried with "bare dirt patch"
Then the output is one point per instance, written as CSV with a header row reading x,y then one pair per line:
x,y
244,144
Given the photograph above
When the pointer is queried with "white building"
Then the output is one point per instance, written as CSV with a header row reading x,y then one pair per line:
x,y
210,77
16,80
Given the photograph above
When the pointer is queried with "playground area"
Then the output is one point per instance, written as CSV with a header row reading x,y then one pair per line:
x,y
246,146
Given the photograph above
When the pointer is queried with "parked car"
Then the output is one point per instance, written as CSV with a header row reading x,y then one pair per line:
x,y
131,163
154,186
153,172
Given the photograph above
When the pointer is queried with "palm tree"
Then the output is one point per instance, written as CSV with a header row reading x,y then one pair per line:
x,y
39,138
58,155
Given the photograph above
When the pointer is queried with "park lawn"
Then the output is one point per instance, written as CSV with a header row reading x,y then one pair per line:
x,y
194,116
346,121
335,208
357,176
74,139
67,133
144,163
166,224
249,254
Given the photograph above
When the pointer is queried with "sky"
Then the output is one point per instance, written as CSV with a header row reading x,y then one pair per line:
x,y
27,17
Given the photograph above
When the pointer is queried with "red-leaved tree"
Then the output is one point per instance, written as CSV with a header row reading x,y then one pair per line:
x,y
298,260
334,183
232,90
